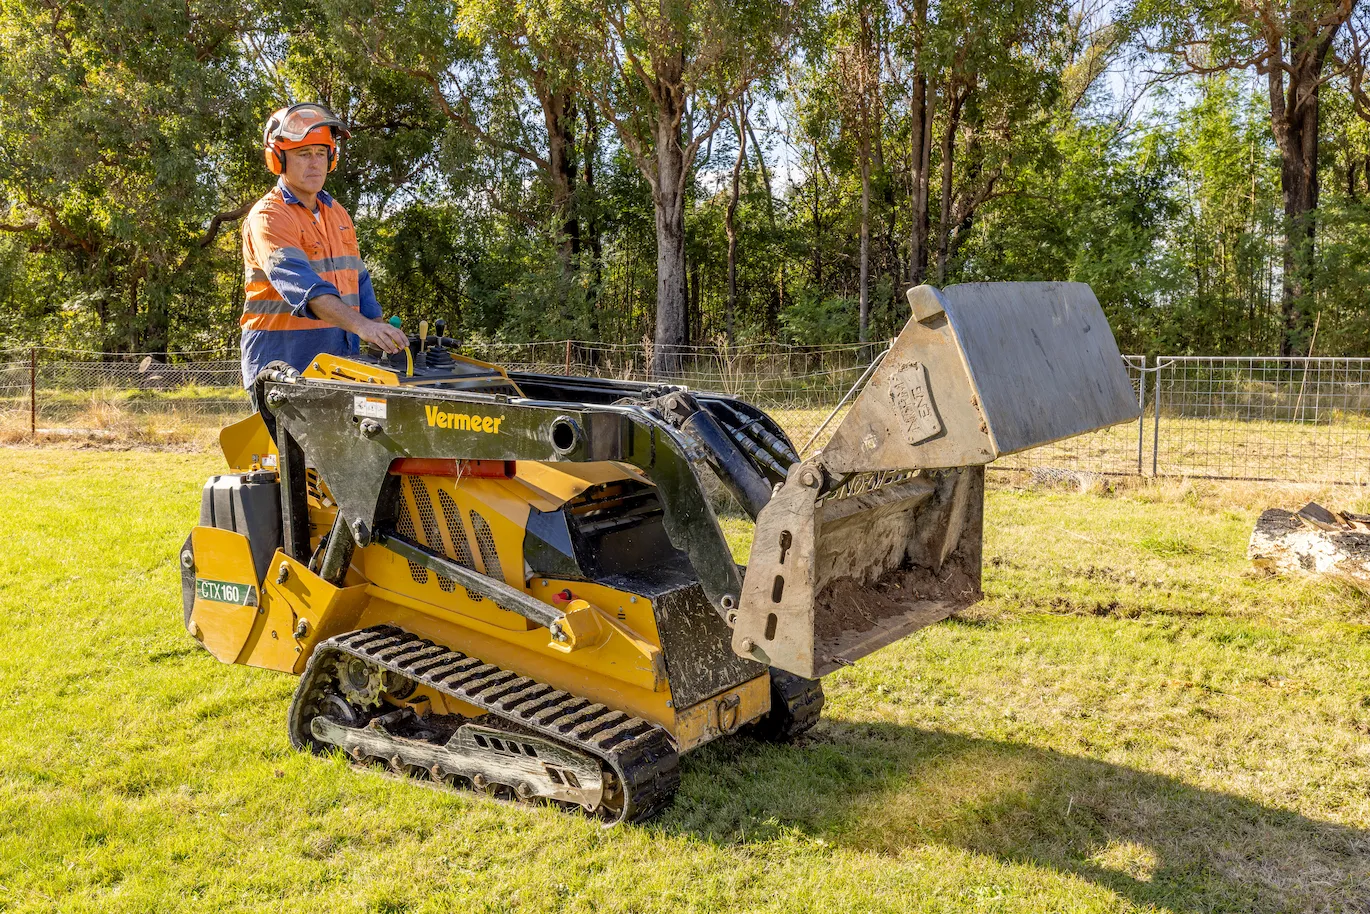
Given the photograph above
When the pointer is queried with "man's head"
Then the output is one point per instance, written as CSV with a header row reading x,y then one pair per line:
x,y
306,167
301,142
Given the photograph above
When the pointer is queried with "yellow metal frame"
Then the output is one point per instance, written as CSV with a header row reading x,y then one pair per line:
x,y
612,650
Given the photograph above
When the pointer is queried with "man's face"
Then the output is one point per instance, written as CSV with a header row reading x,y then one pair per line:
x,y
307,167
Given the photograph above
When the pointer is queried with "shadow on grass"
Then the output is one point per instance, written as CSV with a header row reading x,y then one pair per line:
x,y
1151,839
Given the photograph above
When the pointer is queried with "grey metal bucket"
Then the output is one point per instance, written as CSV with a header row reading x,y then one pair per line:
x,y
880,533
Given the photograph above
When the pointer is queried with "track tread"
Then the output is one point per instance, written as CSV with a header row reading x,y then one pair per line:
x,y
640,754
796,704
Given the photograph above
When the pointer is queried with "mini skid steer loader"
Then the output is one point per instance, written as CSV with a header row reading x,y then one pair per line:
x,y
515,583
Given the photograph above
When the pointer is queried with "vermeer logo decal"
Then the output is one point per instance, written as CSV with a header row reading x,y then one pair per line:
x,y
464,422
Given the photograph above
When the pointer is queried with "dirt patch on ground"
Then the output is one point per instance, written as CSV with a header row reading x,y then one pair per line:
x,y
846,607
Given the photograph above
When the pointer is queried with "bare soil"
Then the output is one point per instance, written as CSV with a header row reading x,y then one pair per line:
x,y
845,607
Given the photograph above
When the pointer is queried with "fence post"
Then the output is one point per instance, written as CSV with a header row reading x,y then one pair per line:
x,y
568,357
1156,423
1141,414
33,391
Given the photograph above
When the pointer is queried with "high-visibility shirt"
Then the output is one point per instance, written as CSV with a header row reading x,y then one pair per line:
x,y
292,255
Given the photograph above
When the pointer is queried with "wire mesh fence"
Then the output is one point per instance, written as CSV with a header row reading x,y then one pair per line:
x,y
61,392
1305,419
1116,451
764,374
1253,418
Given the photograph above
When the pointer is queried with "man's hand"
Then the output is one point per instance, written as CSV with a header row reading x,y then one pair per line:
x,y
382,335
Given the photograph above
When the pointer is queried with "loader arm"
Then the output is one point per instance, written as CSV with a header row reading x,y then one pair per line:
x,y
318,425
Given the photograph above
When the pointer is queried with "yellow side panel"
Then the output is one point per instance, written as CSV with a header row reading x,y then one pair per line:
x,y
631,613
482,519
526,654
247,446
280,641
722,714
560,482
222,616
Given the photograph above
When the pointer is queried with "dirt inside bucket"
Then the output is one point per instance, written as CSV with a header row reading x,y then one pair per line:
x,y
846,609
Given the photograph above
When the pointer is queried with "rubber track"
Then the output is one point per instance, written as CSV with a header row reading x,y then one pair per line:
x,y
796,704
639,753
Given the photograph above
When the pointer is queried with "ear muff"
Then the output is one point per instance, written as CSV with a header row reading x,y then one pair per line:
x,y
275,160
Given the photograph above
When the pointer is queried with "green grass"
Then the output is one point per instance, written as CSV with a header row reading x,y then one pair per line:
x,y
1131,721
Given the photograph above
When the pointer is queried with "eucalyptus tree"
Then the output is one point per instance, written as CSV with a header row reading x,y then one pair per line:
x,y
1290,44
480,62
910,65
857,59
665,76
125,148
997,71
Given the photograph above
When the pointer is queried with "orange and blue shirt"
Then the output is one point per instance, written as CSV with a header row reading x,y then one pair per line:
x,y
292,255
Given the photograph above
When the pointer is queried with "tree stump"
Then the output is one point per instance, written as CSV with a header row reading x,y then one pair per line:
x,y
1312,540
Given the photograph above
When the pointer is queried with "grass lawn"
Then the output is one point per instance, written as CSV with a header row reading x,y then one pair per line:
x,y
1131,721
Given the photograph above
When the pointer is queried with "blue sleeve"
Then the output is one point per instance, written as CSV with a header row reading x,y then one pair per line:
x,y
289,272
370,307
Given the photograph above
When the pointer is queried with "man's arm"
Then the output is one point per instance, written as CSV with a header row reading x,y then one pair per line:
x,y
378,333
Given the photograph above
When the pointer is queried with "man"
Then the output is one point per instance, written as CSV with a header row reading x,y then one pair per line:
x,y
308,291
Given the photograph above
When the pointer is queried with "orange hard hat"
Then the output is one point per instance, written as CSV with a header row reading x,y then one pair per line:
x,y
308,124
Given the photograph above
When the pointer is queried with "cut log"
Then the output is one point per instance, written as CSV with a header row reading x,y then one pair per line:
x,y
1286,541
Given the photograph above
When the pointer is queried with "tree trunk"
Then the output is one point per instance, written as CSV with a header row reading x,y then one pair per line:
x,y
588,203
730,220
668,197
765,174
945,209
1294,121
817,225
865,317
559,114
1299,188
974,168
957,93
694,315
920,151
133,315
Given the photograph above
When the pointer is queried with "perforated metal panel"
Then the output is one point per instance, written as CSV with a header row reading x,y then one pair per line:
x,y
404,526
313,485
432,538
456,532
486,541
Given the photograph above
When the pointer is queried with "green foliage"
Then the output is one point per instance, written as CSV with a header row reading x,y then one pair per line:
x,y
126,128
816,318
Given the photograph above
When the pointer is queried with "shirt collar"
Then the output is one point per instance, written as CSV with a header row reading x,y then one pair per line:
x,y
290,197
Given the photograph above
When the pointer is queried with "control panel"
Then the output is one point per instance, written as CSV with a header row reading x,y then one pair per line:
x,y
430,360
